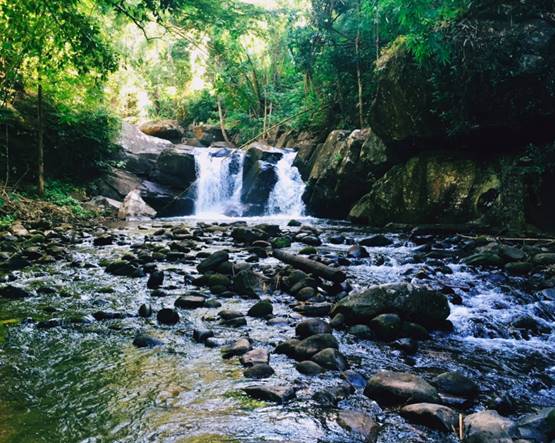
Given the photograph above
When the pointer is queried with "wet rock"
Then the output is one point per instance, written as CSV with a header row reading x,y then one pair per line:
x,y
386,326
355,379
294,223
547,258
255,357
431,415
313,309
309,250
211,262
248,236
416,304
308,367
537,426
247,283
331,358
134,207
518,268
234,322
201,335
51,323
338,321
357,251
276,394
13,292
390,388
239,347
165,129
376,241
488,427
332,395
305,294
281,242
510,253
146,341
305,349
262,309
457,384
261,370
108,315
145,311
483,259
190,302
124,268
216,280
414,331
312,326
167,316
155,280
287,347
359,423
229,314
103,240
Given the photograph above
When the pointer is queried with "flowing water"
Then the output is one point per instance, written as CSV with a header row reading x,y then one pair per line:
x,y
287,196
81,380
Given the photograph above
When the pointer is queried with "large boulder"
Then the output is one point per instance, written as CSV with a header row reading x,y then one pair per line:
x,y
341,170
176,167
117,183
488,427
135,208
165,129
394,388
432,187
259,177
497,91
166,201
416,304
206,134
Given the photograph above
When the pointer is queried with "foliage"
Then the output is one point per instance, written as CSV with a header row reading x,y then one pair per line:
x,y
62,194
200,108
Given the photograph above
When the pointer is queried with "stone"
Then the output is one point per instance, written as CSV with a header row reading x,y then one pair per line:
x,y
135,208
488,427
103,240
518,268
281,242
355,379
417,304
537,426
146,341
275,394
457,384
155,280
387,327
190,302
547,258
13,292
247,283
360,424
483,259
357,251
306,348
308,367
201,335
145,311
261,370
312,326
165,129
263,308
431,415
313,309
362,331
239,347
255,357
167,316
211,262
376,241
331,358
124,268
390,388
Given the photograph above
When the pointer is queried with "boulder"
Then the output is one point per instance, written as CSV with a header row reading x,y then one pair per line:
x,y
207,134
457,384
167,316
416,304
255,357
117,183
166,201
306,348
247,283
312,326
537,426
276,394
105,205
261,370
360,424
342,169
488,427
212,262
263,308
308,367
165,129
431,415
331,358
392,388
176,167
135,208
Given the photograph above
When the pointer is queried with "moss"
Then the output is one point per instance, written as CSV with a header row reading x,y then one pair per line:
x,y
245,402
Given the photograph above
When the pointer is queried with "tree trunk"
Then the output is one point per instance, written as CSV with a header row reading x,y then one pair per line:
x,y
40,142
359,81
222,122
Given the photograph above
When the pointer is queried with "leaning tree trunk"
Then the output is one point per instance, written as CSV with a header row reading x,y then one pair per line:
x,y
222,122
40,141
359,81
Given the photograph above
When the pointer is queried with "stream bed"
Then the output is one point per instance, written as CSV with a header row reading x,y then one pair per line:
x,y
70,375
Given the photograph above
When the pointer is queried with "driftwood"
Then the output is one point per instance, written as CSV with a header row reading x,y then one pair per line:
x,y
311,266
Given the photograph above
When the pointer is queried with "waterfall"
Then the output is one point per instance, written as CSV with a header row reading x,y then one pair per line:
x,y
286,197
219,181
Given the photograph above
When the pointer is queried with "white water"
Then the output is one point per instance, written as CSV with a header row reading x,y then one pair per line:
x,y
286,197
219,182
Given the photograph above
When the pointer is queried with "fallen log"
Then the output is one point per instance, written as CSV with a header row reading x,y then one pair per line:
x,y
311,266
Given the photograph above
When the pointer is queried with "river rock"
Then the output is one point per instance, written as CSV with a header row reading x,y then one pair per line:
x,y
134,207
167,316
431,415
547,258
457,384
360,424
488,427
261,370
190,302
313,309
308,367
417,304
332,395
276,394
239,347
331,358
376,241
103,240
305,349
287,347
165,129
13,292
255,357
262,309
483,259
361,331
146,341
155,280
391,388
212,262
538,426
357,251
124,268
312,326
145,311
201,335
247,283
248,235
386,326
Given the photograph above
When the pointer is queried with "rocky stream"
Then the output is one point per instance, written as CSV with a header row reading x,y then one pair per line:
x,y
197,330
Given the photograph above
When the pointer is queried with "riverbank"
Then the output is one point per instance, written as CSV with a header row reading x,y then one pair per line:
x,y
151,330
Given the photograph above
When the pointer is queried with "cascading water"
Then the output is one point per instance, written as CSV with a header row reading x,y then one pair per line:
x,y
219,181
286,197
